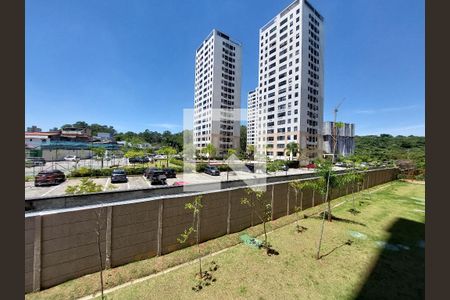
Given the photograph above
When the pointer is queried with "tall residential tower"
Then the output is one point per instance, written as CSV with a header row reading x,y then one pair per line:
x,y
290,91
251,116
217,97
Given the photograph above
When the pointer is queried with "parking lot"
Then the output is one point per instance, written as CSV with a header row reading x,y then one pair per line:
x,y
67,166
140,182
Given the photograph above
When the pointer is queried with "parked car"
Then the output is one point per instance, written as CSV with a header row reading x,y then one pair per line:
x,y
170,173
180,183
71,158
118,175
155,175
212,170
34,161
311,166
133,160
49,177
251,167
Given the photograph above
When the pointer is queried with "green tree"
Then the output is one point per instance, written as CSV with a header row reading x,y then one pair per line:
x,y
261,206
100,153
298,187
86,186
251,151
168,152
243,138
210,151
195,206
134,153
292,149
273,166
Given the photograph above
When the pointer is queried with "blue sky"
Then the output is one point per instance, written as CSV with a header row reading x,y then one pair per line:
x,y
130,64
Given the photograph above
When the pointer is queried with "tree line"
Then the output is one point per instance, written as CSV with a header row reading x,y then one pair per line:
x,y
386,147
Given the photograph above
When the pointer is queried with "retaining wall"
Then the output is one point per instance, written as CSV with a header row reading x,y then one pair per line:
x,y
62,245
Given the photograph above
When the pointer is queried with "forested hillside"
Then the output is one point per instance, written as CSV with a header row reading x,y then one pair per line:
x,y
387,147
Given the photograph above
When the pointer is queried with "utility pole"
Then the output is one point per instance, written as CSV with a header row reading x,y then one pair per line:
x,y
335,130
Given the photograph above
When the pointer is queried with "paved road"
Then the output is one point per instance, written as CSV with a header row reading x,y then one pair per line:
x,y
140,182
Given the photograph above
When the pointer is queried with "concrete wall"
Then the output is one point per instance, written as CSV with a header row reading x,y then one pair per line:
x,y
63,245
45,203
55,155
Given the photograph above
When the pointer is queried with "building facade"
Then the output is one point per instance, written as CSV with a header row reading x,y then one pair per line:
x,y
290,90
217,97
251,116
345,139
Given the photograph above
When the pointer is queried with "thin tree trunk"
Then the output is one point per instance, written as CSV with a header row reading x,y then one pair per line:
x,y
97,232
329,210
101,263
323,220
198,247
353,197
265,234
296,205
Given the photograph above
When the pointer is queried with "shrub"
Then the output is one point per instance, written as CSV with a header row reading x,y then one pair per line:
x,y
401,176
177,162
420,177
177,169
295,164
135,170
200,167
86,186
223,168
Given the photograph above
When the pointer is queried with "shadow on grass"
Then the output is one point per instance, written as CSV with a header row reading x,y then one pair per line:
x,y
348,242
398,274
337,219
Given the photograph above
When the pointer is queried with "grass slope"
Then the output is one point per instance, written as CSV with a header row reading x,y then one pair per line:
x,y
393,214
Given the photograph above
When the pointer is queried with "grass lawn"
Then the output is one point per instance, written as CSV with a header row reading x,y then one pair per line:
x,y
385,259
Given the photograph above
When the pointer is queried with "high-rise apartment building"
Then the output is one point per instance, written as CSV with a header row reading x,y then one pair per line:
x,y
290,91
251,116
217,97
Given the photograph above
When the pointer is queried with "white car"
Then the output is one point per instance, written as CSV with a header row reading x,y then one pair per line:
x,y
71,158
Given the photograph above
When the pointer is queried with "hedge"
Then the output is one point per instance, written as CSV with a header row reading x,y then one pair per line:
x,y
87,172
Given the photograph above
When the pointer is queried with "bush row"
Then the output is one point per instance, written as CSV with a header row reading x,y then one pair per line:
x,y
88,172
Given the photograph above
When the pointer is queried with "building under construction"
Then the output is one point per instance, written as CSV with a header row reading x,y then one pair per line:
x,y
345,138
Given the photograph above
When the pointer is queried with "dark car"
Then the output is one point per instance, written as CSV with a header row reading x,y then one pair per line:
x,y
212,170
170,173
49,177
149,170
251,167
156,176
34,161
118,175
141,160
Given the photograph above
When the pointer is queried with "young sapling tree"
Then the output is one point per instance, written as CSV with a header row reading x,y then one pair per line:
x,y
262,208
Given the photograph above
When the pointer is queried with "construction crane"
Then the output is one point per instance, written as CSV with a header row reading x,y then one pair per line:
x,y
335,129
